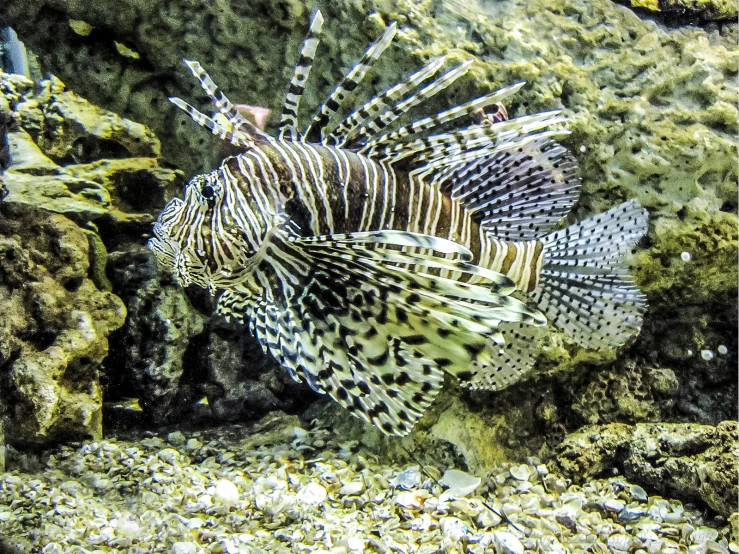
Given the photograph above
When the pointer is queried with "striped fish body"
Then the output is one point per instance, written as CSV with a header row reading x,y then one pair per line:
x,y
369,262
327,190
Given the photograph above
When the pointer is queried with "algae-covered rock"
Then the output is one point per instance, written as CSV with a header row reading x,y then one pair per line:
x,y
68,156
242,382
688,461
53,328
705,9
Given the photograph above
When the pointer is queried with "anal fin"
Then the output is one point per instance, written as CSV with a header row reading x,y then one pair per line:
x,y
511,360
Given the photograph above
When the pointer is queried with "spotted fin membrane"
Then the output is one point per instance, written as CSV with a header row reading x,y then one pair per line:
x,y
584,287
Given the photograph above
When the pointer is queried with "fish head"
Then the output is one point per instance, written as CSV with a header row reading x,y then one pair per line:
x,y
197,241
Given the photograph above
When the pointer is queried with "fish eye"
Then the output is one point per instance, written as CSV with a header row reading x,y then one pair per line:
x,y
208,192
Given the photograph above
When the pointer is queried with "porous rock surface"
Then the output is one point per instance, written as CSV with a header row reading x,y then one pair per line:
x,y
708,10
695,462
653,116
53,328
147,360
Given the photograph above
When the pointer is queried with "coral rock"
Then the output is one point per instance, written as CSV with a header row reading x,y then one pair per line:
x,y
53,329
688,461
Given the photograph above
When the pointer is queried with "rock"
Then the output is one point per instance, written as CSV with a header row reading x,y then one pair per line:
x,y
311,494
244,383
709,10
453,528
226,493
176,438
93,163
149,350
409,478
184,548
619,542
521,472
692,462
53,328
227,366
507,543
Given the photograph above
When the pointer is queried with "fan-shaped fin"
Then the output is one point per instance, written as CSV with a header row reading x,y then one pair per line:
x,y
518,194
585,288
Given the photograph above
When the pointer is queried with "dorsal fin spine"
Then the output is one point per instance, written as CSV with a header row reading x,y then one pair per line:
x,y
289,117
316,129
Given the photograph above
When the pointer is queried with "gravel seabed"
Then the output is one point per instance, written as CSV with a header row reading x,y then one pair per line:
x,y
292,490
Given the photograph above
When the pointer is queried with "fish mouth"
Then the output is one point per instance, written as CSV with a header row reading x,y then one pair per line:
x,y
166,253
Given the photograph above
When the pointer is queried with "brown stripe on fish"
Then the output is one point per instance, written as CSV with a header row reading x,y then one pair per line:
x,y
520,261
510,257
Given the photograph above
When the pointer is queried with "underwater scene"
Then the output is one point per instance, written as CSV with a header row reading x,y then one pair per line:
x,y
436,276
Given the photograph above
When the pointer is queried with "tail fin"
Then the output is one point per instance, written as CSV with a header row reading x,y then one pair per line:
x,y
585,288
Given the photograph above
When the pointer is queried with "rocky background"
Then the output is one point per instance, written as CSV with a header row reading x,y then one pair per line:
x,y
652,109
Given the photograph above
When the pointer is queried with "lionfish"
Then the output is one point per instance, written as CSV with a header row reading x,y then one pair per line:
x,y
370,261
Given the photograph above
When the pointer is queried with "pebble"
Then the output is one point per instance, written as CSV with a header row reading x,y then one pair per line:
x,y
176,438
409,499
184,548
453,528
638,493
507,543
703,534
460,483
409,478
299,433
311,494
351,489
128,526
226,493
355,543
620,542
522,472
630,514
